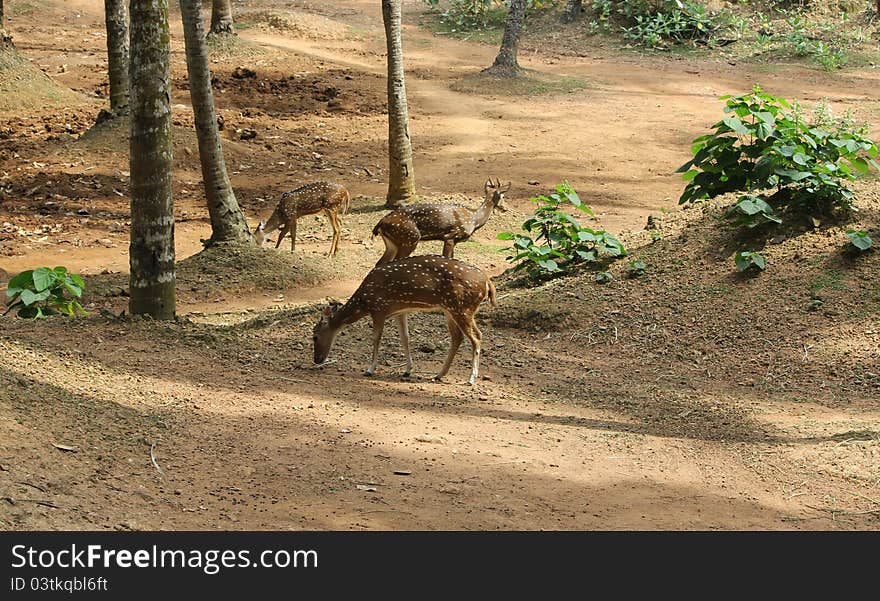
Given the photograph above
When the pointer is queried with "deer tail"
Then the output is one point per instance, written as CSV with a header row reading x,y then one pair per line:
x,y
493,298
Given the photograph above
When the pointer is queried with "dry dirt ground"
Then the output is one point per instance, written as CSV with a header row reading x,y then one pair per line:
x,y
690,398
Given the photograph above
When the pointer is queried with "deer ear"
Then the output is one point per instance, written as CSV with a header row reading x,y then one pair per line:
x,y
506,188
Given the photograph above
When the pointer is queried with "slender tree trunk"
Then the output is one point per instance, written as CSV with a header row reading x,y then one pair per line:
x,y
151,253
401,179
221,17
116,16
571,11
505,64
228,223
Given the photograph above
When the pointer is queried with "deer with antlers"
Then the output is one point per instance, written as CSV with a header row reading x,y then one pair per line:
x,y
412,284
308,199
402,229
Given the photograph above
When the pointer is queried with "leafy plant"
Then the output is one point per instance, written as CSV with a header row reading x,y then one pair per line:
x,y
636,269
603,277
752,211
554,240
858,240
41,292
747,259
467,15
765,143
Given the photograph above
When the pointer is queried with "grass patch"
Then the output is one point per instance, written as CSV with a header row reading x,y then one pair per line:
x,y
530,83
230,45
832,279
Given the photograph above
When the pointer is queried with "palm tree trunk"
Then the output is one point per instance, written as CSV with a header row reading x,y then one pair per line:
x,y
116,17
221,17
571,11
151,252
228,223
401,180
505,64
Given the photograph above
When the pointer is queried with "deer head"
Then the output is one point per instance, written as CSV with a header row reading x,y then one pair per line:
x,y
260,234
324,333
495,192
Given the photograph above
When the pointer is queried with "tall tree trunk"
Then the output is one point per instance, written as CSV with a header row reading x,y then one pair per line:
x,y
116,16
401,179
221,17
151,252
505,64
571,11
5,38
228,223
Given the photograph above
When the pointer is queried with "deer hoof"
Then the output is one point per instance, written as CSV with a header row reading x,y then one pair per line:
x,y
407,374
368,373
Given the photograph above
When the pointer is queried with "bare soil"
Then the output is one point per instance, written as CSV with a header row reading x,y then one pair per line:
x,y
690,398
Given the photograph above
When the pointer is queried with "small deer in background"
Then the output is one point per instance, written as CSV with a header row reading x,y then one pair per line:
x,y
412,284
403,228
308,199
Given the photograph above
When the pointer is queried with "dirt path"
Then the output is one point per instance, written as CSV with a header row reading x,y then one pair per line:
x,y
567,429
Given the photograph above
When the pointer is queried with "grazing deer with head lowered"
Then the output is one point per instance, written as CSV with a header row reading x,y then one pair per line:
x,y
412,284
403,228
308,199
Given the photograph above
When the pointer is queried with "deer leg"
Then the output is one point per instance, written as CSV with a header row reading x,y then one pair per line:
x,y
456,336
293,236
281,235
403,327
473,333
448,248
378,326
334,223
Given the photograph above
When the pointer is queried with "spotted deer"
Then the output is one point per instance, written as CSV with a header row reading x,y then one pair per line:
x,y
419,283
403,228
308,199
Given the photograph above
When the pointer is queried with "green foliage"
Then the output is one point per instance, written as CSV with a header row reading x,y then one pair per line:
x,y
859,241
748,259
472,15
765,143
655,24
554,240
660,23
752,211
40,293
804,45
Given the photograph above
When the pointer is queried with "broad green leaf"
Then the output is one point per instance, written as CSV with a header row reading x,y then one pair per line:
x,y
23,280
736,125
44,278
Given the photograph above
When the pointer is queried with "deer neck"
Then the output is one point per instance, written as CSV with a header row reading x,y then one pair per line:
x,y
347,314
482,214
272,223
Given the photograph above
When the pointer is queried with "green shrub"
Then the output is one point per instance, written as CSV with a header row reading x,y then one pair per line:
x,y
40,293
554,240
766,144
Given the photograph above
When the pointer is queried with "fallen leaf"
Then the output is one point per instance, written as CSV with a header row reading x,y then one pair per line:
x,y
64,447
